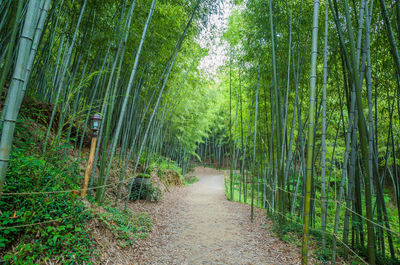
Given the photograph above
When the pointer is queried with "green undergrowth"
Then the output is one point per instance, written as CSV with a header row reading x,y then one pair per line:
x,y
125,226
291,229
191,179
167,170
58,231
49,225
42,218
245,195
146,191
157,174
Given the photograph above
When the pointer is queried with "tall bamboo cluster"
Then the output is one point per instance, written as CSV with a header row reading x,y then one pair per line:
x,y
325,152
308,121
130,61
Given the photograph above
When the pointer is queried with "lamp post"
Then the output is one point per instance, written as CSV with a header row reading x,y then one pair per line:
x,y
95,122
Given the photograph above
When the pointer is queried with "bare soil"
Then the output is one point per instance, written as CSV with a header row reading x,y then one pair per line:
x,y
197,225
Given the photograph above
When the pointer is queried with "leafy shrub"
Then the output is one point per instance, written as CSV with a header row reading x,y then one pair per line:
x,y
145,191
143,175
191,179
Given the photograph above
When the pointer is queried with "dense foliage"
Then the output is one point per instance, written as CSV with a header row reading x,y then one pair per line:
x,y
283,125
305,113
133,62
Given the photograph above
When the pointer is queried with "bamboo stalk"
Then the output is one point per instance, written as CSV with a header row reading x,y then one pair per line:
x,y
310,140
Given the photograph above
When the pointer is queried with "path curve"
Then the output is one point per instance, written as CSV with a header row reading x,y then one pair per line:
x,y
197,225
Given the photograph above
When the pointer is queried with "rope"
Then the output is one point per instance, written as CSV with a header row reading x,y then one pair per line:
x,y
58,219
61,191
349,248
311,228
34,224
45,222
342,205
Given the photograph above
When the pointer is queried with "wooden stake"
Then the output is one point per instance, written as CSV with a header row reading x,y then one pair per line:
x,y
89,167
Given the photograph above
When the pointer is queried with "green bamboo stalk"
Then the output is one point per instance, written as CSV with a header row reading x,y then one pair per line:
x,y
10,47
4,10
351,177
92,99
289,154
17,81
100,194
296,106
254,143
323,135
344,169
310,138
390,36
170,66
363,138
277,106
107,109
38,34
231,186
109,97
61,82
240,140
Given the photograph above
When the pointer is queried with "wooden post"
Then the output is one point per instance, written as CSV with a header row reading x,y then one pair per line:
x,y
89,167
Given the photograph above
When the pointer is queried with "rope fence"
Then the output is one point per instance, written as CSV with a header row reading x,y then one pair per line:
x,y
332,201
269,206
34,224
57,192
320,231
62,191
49,221
342,205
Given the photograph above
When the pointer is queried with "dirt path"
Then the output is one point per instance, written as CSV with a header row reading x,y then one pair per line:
x,y
197,225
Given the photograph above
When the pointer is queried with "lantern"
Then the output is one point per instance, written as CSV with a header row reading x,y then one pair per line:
x,y
96,120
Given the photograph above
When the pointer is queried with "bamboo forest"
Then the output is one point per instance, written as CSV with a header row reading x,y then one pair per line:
x,y
200,132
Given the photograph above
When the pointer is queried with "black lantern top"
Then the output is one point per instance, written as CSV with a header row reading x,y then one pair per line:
x,y
96,120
